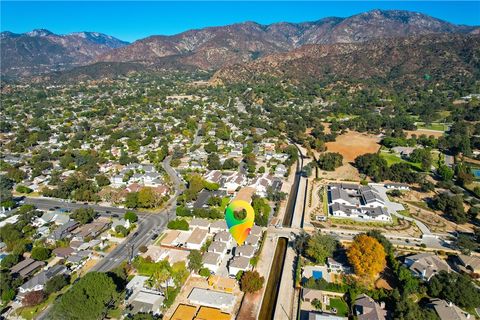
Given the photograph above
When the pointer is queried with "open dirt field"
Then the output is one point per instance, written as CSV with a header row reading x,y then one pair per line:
x,y
428,133
353,144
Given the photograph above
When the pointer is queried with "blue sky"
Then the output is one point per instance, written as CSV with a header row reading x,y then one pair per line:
x,y
135,20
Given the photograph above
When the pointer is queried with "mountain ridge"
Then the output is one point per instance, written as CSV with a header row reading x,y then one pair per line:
x,y
210,48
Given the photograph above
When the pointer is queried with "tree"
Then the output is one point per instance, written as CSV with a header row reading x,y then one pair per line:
x,y
147,198
451,206
40,253
121,230
195,260
454,287
367,256
262,211
178,224
317,304
445,173
131,216
204,272
329,161
102,180
466,244
320,247
251,282
300,242
23,189
211,147
33,298
131,200
83,215
9,261
89,298
56,284
213,162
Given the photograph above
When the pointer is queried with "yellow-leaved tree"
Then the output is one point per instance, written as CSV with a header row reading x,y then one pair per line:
x,y
367,256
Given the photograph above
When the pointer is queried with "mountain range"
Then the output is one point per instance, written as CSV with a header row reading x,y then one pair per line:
x,y
41,51
216,48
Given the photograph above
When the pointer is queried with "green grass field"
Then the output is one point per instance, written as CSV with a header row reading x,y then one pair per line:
x,y
393,158
433,126
340,305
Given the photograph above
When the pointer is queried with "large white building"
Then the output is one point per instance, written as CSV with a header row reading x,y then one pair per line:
x,y
357,202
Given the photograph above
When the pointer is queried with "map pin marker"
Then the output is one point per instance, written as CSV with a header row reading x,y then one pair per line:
x,y
239,229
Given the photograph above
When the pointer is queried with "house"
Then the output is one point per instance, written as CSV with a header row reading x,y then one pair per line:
x,y
211,261
211,298
213,176
218,247
404,152
156,253
117,181
324,316
280,171
145,302
141,298
218,226
47,217
448,311
222,283
63,231
26,267
225,237
357,202
426,265
397,186
309,295
252,240
199,223
365,308
238,264
207,313
120,222
337,267
63,252
261,184
246,251
196,239
233,182
468,264
371,198
256,231
92,229
170,238
38,281
360,212
78,260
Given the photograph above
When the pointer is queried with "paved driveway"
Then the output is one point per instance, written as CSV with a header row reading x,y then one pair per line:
x,y
393,207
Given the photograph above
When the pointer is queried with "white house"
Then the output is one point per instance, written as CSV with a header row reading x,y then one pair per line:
x,y
225,237
218,226
196,239
218,247
211,260
246,251
238,264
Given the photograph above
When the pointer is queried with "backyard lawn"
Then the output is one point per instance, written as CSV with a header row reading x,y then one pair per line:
x,y
392,158
340,305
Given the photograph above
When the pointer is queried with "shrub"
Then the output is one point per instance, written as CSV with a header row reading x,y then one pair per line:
x,y
178,224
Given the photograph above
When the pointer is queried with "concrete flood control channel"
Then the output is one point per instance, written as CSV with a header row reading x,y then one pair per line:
x,y
270,296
